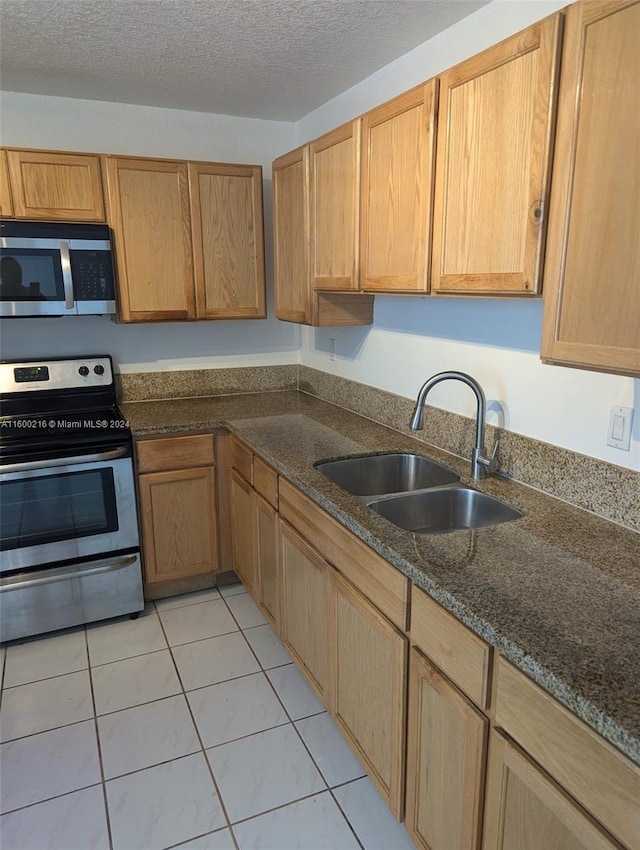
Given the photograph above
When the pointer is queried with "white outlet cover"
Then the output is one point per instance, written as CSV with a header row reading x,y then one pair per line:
x,y
620,423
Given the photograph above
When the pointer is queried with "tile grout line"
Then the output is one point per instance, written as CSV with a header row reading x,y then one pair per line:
x,y
99,744
197,731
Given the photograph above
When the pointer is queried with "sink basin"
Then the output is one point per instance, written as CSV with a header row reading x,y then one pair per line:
x,y
449,509
375,475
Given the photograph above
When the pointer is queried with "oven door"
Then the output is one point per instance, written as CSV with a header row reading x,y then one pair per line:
x,y
66,508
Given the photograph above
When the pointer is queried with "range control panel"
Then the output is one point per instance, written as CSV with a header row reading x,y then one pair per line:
x,y
56,374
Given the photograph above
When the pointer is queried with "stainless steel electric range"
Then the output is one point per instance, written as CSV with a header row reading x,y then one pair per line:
x,y
69,545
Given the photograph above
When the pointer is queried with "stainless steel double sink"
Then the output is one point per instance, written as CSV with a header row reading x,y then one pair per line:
x,y
415,493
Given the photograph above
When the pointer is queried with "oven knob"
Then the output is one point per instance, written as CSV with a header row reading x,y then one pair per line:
x,y
84,371
99,370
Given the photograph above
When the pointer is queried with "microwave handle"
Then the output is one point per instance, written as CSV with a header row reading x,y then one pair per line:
x,y
65,259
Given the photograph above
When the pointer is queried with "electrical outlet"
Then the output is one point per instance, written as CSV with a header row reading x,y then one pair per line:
x,y
620,422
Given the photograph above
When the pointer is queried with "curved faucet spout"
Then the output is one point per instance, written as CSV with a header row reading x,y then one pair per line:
x,y
479,463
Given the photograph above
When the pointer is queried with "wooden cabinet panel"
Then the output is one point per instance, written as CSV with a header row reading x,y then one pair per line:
x,y
446,749
267,560
592,771
290,236
149,213
396,192
6,204
335,182
175,453
458,652
495,122
228,241
178,523
243,530
525,810
305,607
384,585
56,186
592,271
241,458
265,480
369,688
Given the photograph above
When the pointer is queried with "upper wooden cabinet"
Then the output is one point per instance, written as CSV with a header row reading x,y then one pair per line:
x,y
149,213
301,232
166,270
56,186
228,241
495,129
592,271
6,204
396,192
334,163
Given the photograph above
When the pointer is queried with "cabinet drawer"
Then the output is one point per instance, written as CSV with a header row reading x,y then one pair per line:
x,y
265,480
175,453
241,458
457,651
387,588
591,770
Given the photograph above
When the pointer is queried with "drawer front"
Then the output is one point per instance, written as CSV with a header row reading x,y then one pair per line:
x,y
387,588
265,481
241,458
591,770
175,453
456,650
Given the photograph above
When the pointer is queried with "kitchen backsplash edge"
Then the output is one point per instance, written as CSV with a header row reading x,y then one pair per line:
x,y
606,489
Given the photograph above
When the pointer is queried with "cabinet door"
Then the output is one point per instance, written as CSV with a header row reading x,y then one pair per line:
x,y
305,607
228,240
369,688
6,205
291,236
268,564
525,810
56,186
335,181
446,747
149,213
495,122
592,271
179,523
243,530
396,192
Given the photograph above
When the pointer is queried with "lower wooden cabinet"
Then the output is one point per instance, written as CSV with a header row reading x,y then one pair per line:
x,y
446,751
369,676
305,607
526,810
179,523
243,529
267,561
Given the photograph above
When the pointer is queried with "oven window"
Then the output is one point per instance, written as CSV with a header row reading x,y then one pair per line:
x,y
31,274
65,506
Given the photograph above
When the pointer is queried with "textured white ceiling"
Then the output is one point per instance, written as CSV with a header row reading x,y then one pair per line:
x,y
274,59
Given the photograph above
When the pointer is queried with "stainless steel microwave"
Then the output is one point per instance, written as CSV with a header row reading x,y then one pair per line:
x,y
55,269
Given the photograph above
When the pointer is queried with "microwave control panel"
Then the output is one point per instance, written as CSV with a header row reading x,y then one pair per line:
x,y
92,275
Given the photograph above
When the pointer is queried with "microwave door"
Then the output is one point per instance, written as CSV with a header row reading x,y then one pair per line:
x,y
35,278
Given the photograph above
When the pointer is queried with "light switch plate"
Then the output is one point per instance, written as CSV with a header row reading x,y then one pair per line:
x,y
620,422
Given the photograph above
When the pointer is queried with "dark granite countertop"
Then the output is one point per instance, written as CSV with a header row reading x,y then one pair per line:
x,y
557,592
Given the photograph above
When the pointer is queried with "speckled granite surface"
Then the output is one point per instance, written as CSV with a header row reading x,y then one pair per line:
x,y
557,591
142,386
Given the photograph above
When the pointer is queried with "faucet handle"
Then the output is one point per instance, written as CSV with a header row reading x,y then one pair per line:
x,y
491,464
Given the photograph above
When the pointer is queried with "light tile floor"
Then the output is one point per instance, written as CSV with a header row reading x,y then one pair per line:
x,y
189,727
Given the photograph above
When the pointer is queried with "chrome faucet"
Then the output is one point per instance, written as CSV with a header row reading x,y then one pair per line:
x,y
480,464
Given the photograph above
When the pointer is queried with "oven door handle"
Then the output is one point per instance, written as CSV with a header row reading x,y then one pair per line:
x,y
107,566
63,461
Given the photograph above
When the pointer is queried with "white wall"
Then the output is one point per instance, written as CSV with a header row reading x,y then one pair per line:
x,y
496,341
86,125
